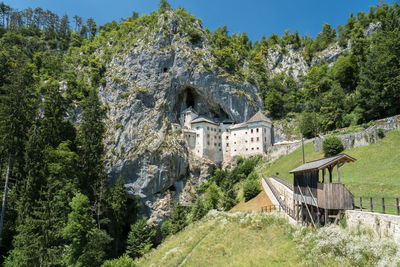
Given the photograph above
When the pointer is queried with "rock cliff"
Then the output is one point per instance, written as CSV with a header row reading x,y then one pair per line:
x,y
146,88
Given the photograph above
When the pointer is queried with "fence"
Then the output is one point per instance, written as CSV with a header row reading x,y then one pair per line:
x,y
389,205
282,204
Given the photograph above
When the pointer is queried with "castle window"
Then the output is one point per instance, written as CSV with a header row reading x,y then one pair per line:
x,y
227,137
252,148
208,143
234,143
208,135
258,139
198,135
219,144
257,148
220,149
251,130
235,149
219,130
234,134
215,144
246,132
226,151
227,144
257,130
208,128
265,139
197,128
247,149
246,141
198,151
252,139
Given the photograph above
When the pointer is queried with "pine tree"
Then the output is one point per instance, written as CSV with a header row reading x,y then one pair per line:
x,y
87,244
140,238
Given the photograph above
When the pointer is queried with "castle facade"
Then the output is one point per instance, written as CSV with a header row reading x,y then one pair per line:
x,y
219,141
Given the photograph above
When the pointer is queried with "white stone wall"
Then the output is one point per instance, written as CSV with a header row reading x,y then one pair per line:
x,y
285,193
381,224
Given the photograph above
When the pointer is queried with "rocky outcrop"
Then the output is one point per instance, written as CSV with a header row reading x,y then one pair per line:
x,y
147,86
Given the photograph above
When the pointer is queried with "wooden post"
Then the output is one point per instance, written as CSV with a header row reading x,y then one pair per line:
x,y
397,206
326,216
383,205
361,203
338,173
323,176
371,205
301,213
330,174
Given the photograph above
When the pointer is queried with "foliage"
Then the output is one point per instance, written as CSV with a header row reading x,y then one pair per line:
x,y
140,238
123,261
332,146
251,188
87,243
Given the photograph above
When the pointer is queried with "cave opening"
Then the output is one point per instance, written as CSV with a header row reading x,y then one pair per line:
x,y
202,104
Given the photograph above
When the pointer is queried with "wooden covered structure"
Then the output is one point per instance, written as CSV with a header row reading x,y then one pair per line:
x,y
317,198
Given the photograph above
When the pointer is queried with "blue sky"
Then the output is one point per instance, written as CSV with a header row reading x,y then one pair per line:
x,y
256,17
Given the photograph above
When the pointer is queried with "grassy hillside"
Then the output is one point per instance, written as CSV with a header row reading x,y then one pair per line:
x,y
226,240
261,239
375,173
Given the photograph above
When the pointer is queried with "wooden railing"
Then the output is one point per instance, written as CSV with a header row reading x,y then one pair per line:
x,y
389,205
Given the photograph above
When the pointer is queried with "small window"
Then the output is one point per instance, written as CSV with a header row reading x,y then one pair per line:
x,y
247,149
197,128
258,139
219,144
227,137
257,130
265,139
235,149
252,148
227,144
252,139
197,135
215,144
208,128
219,130
208,143
234,134
208,135
198,151
234,143
226,151
220,149
257,148
246,132
251,130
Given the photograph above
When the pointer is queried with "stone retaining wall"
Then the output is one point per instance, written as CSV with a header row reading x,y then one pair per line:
x,y
285,192
363,138
383,225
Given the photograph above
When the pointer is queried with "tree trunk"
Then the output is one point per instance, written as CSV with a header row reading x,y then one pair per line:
x,y
3,205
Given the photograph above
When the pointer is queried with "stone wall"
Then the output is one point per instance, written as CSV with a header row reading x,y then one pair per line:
x,y
363,138
381,224
285,193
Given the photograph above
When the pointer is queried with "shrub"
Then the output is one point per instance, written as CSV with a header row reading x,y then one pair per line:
x,y
123,261
381,133
251,188
332,146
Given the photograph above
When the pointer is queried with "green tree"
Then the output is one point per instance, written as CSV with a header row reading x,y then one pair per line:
x,y
140,238
87,244
308,124
332,146
333,109
251,188
123,261
118,206
212,196
199,210
229,199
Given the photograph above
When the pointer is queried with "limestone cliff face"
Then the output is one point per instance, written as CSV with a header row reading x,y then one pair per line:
x,y
146,88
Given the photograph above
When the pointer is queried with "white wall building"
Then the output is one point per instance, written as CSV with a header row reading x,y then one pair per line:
x,y
219,141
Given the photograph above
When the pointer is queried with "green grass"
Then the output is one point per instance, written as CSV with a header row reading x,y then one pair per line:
x,y
376,172
226,242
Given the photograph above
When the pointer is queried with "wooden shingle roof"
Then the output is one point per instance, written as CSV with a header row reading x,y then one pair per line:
x,y
258,117
323,163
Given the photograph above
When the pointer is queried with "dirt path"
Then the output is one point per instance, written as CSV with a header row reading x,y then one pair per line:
x,y
255,204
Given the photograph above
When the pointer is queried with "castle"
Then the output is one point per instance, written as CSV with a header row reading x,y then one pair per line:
x,y
219,141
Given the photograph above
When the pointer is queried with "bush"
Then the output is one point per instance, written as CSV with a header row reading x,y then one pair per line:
x,y
123,261
251,188
381,133
332,146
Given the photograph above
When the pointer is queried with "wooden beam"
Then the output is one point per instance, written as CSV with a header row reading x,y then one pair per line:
x,y
338,173
304,200
323,176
